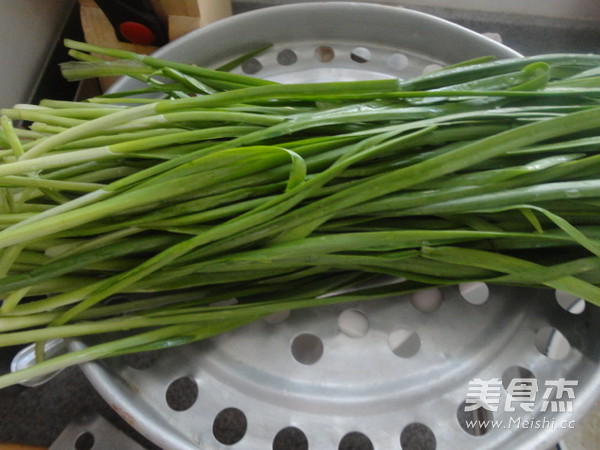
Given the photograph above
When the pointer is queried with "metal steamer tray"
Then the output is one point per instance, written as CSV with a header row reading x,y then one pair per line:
x,y
388,374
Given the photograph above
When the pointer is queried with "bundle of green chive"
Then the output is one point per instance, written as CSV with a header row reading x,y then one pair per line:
x,y
135,213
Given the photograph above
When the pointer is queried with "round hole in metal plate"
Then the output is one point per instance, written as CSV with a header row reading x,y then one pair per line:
x,y
182,393
427,300
552,343
355,440
290,438
570,302
417,436
476,292
277,317
360,55
85,441
475,422
397,61
324,53
229,426
287,57
516,374
353,323
142,361
431,68
404,342
307,348
251,66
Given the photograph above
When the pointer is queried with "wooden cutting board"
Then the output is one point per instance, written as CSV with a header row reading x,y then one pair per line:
x,y
180,17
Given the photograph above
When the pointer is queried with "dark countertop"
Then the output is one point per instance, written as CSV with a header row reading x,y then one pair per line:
x,y
37,416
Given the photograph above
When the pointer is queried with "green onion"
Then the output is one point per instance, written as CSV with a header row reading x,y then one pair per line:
x,y
219,185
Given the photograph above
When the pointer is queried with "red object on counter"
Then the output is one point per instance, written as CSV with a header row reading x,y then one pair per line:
x,y
137,33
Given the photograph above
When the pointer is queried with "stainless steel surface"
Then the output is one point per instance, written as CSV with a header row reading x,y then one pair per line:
x,y
370,368
92,431
422,38
367,379
26,358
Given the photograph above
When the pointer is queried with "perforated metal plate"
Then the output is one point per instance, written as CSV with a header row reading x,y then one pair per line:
x,y
386,374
